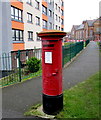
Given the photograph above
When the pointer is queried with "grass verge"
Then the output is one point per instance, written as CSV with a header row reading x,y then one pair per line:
x,y
81,101
67,43
99,44
32,75
33,111
14,78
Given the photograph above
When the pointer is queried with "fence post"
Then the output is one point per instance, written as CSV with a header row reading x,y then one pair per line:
x,y
70,51
75,48
19,61
62,56
82,45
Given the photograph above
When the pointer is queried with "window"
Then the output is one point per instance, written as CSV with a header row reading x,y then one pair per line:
x,y
20,15
29,17
12,12
17,35
30,36
37,5
56,27
50,25
29,2
56,17
50,13
16,13
44,10
91,33
37,20
59,19
56,6
62,3
50,1
62,12
44,24
62,21
86,33
53,26
73,32
80,37
53,14
59,9
62,29
98,29
38,38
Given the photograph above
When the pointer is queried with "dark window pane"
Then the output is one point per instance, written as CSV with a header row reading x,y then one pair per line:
x,y
29,17
44,10
37,4
21,34
30,35
17,35
16,13
19,14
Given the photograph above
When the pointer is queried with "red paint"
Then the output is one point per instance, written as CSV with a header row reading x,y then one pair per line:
x,y
52,72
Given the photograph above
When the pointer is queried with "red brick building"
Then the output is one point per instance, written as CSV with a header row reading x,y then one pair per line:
x,y
89,29
73,31
97,29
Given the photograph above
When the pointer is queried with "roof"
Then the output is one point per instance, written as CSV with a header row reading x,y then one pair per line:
x,y
98,19
76,26
80,27
90,22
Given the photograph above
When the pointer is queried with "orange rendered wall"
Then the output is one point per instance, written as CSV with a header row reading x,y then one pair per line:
x,y
44,29
44,3
18,46
62,8
44,17
17,25
62,17
62,26
17,4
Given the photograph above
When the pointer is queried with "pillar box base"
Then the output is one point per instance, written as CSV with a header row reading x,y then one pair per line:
x,y
52,104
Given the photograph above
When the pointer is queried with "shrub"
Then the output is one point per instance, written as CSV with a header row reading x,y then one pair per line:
x,y
33,64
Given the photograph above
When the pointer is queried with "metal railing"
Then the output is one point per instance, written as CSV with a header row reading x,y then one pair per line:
x,y
87,42
71,50
13,65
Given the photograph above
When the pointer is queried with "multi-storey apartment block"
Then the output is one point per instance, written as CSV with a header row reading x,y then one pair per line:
x,y
17,21
28,17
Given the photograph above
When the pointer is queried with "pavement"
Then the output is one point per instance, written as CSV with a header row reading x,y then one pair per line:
x,y
18,98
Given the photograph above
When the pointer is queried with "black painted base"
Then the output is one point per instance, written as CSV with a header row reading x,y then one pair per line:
x,y
52,104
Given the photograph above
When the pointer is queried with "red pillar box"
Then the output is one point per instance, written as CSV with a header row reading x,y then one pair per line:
x,y
52,70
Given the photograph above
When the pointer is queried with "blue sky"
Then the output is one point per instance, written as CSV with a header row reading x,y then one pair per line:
x,y
78,10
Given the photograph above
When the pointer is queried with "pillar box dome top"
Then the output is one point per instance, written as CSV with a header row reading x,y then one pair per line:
x,y
52,33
